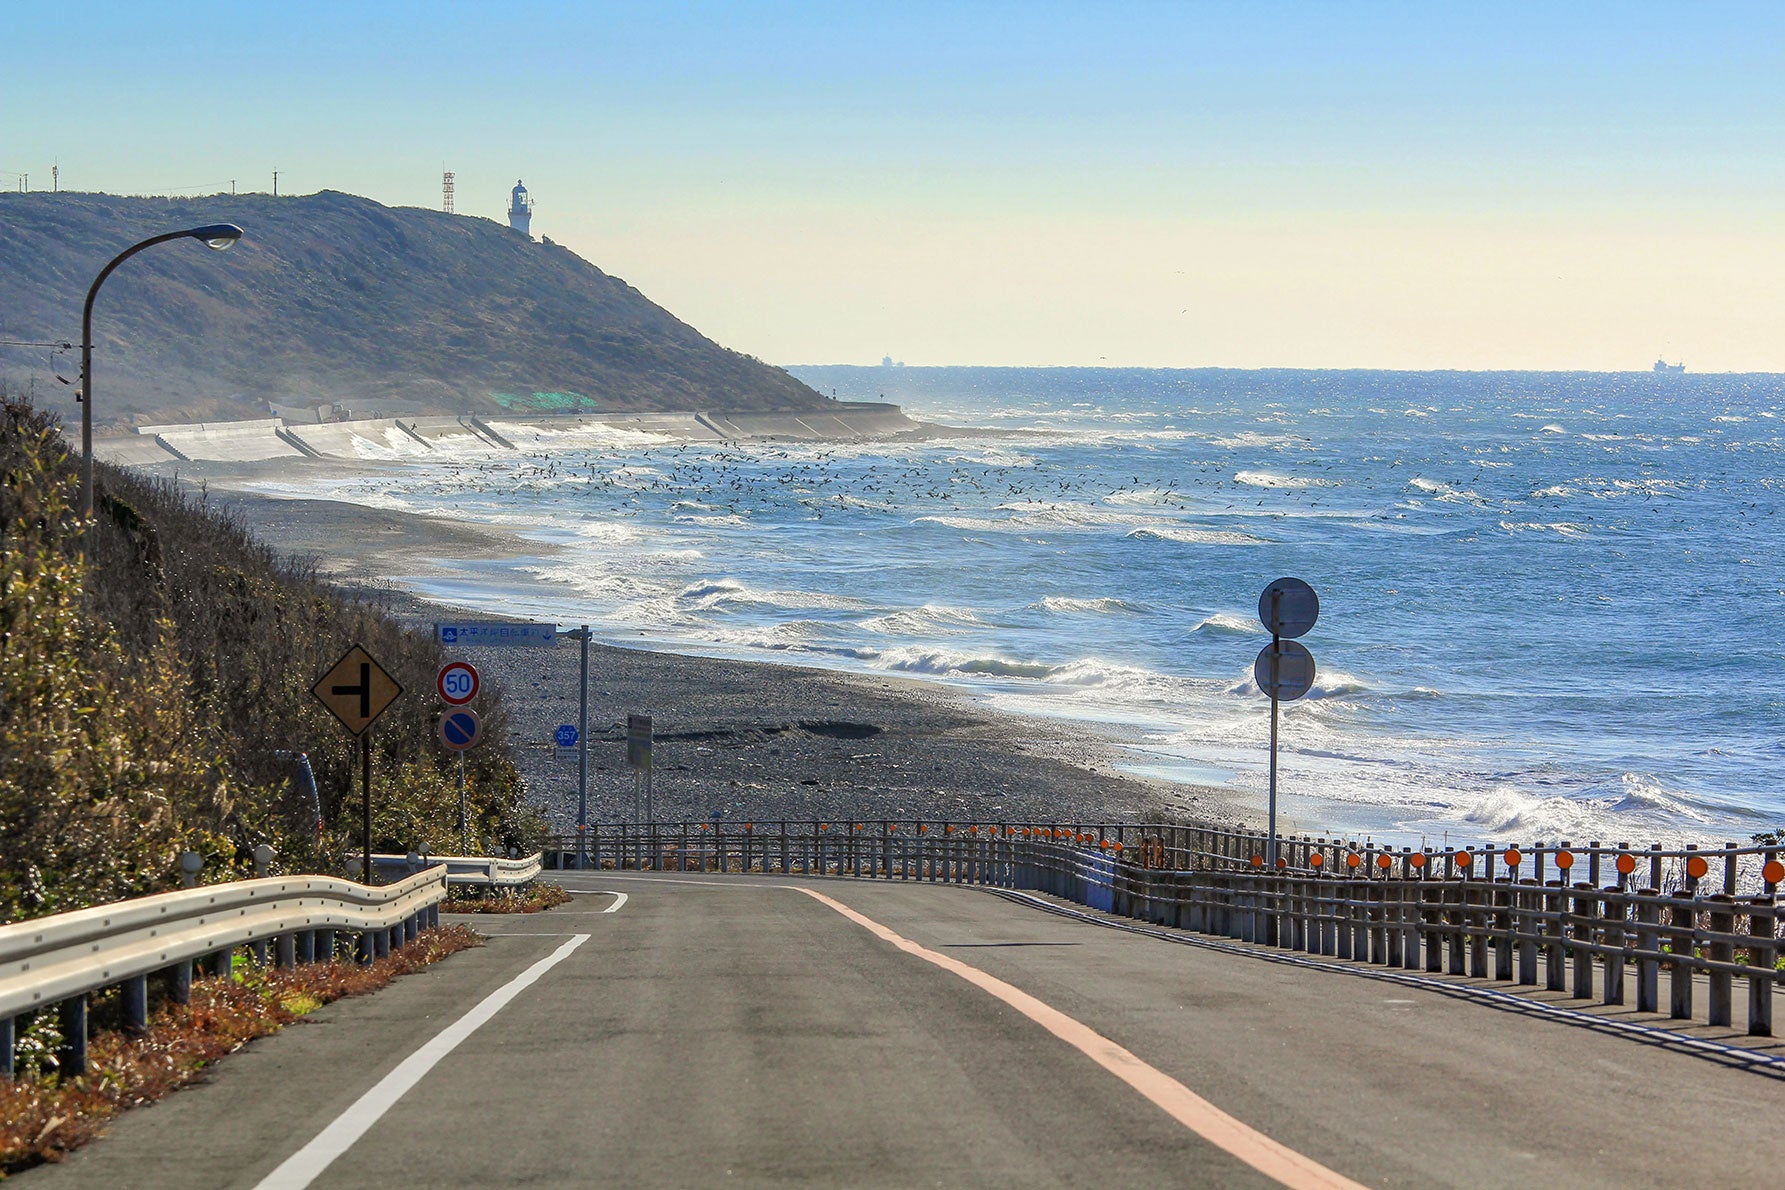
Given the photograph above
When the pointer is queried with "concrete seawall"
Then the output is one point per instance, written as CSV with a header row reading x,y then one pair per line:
x,y
395,438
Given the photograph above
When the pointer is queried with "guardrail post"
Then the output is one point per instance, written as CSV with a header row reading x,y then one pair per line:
x,y
1721,951
1431,922
223,962
285,950
1527,898
305,946
1585,933
1762,952
325,946
179,982
1456,912
365,950
258,948
1476,920
1648,951
1616,934
71,1059
8,1044
1681,984
1555,931
1505,925
134,1004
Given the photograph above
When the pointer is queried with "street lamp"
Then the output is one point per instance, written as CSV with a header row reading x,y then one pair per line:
x,y
219,236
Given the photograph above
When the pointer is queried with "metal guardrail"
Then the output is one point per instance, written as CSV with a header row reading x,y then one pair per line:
x,y
1505,914
477,871
60,960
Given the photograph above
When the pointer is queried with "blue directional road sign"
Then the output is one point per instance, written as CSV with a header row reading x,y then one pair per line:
x,y
497,633
565,735
460,729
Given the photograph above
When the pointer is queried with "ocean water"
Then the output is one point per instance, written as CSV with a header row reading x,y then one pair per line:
x,y
1551,603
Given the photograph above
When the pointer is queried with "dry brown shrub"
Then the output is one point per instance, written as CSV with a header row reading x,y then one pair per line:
x,y
44,1120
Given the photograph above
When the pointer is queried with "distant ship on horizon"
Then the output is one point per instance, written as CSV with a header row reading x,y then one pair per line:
x,y
1662,365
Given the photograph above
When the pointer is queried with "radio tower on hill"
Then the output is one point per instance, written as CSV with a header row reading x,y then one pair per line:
x,y
446,191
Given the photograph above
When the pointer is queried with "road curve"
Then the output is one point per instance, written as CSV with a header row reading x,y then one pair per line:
x,y
742,1031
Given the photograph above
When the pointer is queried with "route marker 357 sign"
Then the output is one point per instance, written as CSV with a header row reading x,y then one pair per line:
x,y
357,690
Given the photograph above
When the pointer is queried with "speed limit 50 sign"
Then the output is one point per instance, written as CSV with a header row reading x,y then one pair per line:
x,y
457,683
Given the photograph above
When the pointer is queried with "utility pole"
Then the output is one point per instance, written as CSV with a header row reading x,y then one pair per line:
x,y
232,187
275,183
56,178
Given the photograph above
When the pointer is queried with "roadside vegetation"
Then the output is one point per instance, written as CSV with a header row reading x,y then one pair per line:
x,y
43,1117
531,899
155,678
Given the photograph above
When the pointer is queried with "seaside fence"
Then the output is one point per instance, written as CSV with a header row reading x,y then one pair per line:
x,y
1706,918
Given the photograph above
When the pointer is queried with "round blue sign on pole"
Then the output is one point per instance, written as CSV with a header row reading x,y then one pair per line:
x,y
565,735
460,729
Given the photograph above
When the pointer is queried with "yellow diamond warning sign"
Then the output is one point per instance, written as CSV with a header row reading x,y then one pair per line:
x,y
356,690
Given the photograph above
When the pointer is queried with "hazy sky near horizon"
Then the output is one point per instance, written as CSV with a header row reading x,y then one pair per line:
x,y
1402,185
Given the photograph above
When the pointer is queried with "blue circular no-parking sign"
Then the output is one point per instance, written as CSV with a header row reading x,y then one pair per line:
x,y
460,729
565,735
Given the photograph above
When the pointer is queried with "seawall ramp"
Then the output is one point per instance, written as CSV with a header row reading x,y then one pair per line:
x,y
132,451
225,442
372,438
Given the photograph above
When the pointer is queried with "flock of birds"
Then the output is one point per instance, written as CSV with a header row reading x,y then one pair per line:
x,y
704,481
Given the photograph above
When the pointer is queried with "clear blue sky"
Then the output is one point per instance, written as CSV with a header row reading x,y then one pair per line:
x,y
1400,185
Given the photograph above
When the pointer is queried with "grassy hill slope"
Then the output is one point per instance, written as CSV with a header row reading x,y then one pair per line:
x,y
334,298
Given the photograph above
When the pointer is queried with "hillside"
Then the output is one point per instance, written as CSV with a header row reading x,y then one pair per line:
x,y
331,298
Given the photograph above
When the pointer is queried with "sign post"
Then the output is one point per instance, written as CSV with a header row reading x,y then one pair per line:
x,y
356,690
461,728
458,684
638,759
582,759
1284,669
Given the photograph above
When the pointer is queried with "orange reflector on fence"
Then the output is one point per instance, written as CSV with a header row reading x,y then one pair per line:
x,y
1281,863
824,826
1696,867
749,826
1564,860
1417,859
1512,857
1385,862
1118,847
892,828
1626,863
1316,859
1104,844
1258,861
1464,859
1773,872
858,826
703,826
1353,859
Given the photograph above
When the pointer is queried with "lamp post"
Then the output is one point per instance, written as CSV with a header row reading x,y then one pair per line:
x,y
220,236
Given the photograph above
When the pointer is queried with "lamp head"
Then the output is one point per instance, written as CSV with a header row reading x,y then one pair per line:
x,y
220,236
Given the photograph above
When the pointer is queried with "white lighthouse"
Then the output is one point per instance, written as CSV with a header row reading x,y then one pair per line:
x,y
520,210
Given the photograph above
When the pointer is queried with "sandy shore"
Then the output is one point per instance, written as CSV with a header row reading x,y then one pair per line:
x,y
743,739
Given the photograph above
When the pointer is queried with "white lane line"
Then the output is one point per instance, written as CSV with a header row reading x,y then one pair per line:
x,y
1271,1158
303,1166
620,899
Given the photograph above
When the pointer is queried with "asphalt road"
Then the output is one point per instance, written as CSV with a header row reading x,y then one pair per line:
x,y
741,1032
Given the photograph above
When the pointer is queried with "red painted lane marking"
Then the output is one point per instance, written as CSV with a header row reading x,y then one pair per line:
x,y
1274,1160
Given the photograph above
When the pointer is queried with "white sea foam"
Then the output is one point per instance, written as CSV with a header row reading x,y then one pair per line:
x,y
1067,604
930,619
1194,536
1270,479
1222,624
